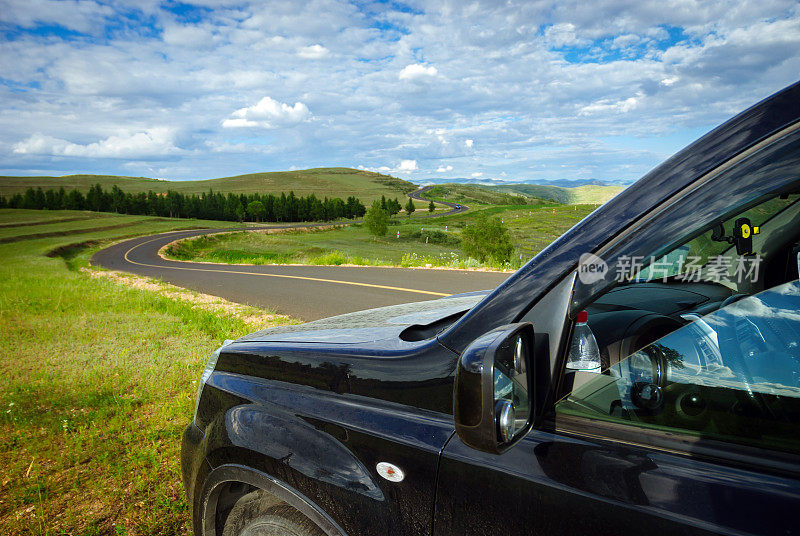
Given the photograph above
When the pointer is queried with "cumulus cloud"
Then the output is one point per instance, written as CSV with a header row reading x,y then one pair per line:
x,y
416,72
561,34
607,105
313,52
444,169
469,143
407,166
155,142
268,113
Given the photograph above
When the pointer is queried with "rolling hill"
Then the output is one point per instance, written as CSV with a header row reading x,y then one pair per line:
x,y
519,194
587,194
469,194
330,182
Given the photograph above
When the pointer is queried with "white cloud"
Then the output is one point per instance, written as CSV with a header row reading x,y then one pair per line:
x,y
625,41
313,52
154,142
407,166
416,71
187,35
444,169
561,34
476,175
268,113
78,15
469,143
606,105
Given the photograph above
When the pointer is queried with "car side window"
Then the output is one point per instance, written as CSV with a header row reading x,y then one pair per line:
x,y
732,375
698,342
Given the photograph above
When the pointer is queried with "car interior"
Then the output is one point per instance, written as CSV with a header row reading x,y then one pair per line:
x,y
705,338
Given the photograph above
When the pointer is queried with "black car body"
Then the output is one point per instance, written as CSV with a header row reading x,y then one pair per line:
x,y
693,427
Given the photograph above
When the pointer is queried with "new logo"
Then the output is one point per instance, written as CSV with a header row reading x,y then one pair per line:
x,y
591,268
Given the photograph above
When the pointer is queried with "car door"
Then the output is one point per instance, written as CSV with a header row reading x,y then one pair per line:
x,y
693,427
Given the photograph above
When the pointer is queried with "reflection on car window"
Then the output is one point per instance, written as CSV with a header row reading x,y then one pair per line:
x,y
731,375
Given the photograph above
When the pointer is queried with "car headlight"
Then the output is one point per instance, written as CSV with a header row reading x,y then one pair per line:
x,y
210,365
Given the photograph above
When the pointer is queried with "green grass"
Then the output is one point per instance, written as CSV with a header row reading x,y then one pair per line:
x,y
532,227
26,217
96,386
330,182
79,226
533,230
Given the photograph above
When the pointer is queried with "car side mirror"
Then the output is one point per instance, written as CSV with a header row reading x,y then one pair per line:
x,y
492,398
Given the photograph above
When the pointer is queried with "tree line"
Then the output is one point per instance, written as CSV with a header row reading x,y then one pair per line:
x,y
206,206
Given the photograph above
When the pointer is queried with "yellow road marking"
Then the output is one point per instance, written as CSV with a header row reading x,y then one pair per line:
x,y
385,287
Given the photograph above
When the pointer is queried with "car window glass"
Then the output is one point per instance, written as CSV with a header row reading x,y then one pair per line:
x,y
732,375
702,339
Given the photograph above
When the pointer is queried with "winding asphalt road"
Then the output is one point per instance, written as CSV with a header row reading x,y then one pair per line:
x,y
456,208
305,292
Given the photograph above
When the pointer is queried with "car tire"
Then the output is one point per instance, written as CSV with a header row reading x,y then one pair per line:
x,y
253,516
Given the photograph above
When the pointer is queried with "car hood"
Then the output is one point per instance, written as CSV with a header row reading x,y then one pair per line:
x,y
417,319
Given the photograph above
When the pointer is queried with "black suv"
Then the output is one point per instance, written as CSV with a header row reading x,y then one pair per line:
x,y
476,414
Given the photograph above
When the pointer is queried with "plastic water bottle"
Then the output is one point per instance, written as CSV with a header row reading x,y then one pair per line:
x,y
584,354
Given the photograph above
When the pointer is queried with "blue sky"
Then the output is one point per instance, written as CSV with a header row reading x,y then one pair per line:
x,y
534,90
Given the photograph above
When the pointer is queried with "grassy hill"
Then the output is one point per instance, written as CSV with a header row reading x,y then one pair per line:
x,y
472,195
578,195
330,182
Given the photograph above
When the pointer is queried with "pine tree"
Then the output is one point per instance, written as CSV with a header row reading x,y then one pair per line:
x,y
410,208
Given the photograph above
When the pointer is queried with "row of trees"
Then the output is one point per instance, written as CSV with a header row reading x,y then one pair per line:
x,y
377,217
207,206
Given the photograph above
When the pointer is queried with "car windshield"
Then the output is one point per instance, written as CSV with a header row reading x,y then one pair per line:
x,y
713,254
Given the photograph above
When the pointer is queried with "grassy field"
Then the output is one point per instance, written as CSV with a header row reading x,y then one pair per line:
x,y
103,221
532,227
435,241
330,182
533,230
98,383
